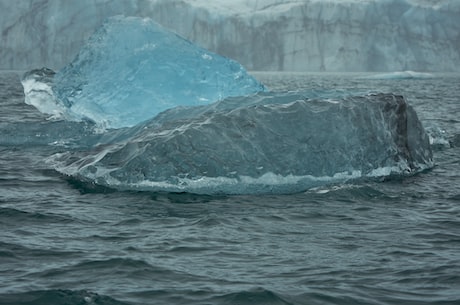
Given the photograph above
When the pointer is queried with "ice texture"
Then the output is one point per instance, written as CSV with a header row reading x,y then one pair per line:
x,y
290,35
38,92
132,68
265,143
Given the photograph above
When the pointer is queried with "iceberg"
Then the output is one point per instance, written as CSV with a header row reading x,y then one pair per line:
x,y
130,70
260,144
143,109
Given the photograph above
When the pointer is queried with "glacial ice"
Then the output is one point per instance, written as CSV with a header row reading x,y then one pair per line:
x,y
183,119
264,143
131,69
289,35
38,92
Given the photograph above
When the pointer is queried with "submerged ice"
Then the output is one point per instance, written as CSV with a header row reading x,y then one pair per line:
x,y
178,118
132,68
267,143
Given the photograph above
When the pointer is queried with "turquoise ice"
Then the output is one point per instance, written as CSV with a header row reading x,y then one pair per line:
x,y
132,68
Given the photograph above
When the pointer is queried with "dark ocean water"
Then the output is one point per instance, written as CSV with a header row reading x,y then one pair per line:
x,y
390,242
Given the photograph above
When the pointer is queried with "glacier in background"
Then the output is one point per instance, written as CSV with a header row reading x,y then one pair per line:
x,y
308,35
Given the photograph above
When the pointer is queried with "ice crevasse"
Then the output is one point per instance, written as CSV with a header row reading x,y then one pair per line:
x,y
178,118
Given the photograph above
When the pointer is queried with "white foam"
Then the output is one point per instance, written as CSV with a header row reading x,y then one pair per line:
x,y
268,183
402,75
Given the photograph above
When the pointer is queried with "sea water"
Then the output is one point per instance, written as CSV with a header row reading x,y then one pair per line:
x,y
382,242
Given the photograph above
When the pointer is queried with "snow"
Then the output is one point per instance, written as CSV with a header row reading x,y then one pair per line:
x,y
302,35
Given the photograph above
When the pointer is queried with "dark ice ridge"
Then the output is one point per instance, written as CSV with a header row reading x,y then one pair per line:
x,y
265,143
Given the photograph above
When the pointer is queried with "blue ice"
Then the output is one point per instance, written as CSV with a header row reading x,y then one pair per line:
x,y
132,68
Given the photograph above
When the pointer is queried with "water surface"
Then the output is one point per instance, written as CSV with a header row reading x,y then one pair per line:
x,y
383,242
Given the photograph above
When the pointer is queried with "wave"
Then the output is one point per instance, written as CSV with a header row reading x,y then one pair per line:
x,y
57,296
252,296
15,216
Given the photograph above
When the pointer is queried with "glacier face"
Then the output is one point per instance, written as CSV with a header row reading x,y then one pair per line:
x,y
300,35
265,143
131,69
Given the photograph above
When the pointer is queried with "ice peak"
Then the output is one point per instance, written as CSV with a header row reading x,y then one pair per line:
x,y
132,68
